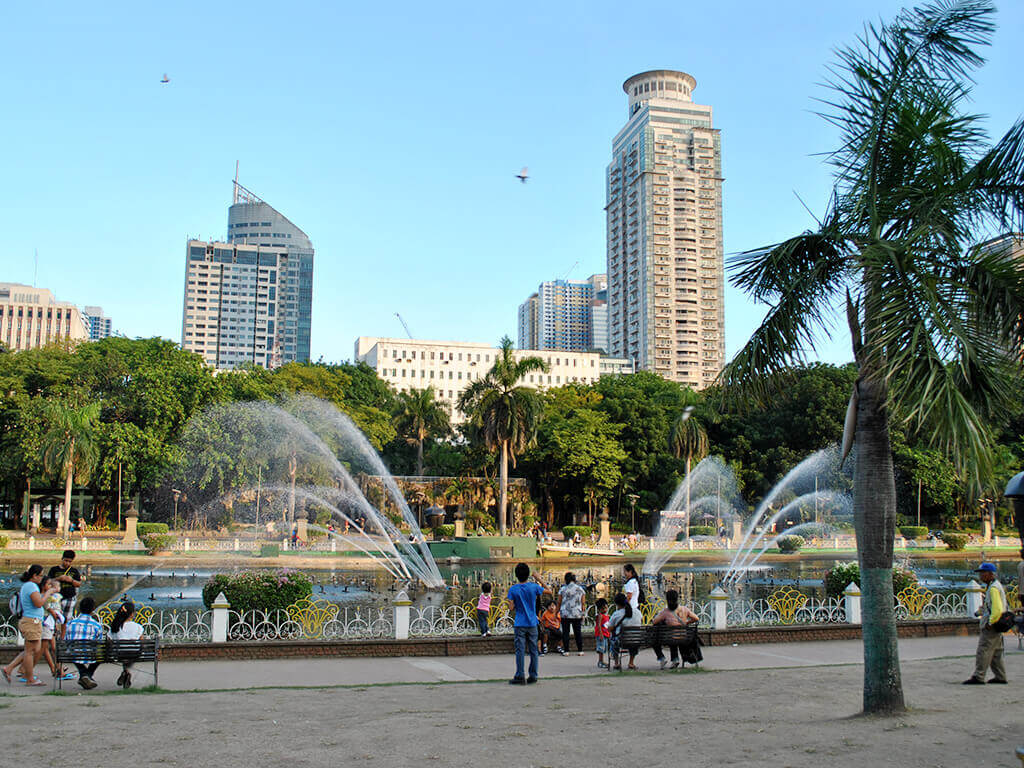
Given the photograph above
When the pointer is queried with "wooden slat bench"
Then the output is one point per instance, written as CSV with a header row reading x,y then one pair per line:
x,y
107,651
649,635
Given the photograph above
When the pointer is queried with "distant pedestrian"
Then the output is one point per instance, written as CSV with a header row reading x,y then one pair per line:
x,y
85,627
483,608
30,602
70,580
601,632
990,640
571,607
523,597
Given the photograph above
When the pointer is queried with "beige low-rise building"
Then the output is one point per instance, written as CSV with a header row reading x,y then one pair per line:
x,y
31,318
451,366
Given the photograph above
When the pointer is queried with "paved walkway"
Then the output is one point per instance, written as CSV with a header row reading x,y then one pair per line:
x,y
222,675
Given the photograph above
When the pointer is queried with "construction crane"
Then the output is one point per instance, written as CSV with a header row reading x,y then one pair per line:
x,y
574,265
407,331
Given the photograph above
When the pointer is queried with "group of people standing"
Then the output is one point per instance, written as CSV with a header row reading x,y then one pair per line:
x,y
47,607
541,619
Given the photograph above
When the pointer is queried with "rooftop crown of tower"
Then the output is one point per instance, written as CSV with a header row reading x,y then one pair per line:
x,y
658,84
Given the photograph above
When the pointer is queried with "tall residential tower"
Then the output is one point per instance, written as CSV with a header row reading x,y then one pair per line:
x,y
565,314
664,233
254,222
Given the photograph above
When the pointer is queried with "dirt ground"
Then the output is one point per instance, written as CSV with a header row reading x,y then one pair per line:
x,y
775,717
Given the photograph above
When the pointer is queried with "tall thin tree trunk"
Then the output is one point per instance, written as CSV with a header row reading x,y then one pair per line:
x,y
503,489
293,469
419,457
65,515
874,511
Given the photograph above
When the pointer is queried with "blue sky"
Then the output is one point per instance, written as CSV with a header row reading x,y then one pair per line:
x,y
391,134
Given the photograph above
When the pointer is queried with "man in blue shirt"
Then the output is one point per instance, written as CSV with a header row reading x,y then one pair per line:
x,y
523,597
85,627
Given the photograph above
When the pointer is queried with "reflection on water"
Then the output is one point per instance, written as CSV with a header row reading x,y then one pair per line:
x,y
170,589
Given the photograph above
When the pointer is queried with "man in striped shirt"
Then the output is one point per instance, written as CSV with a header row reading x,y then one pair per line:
x,y
85,627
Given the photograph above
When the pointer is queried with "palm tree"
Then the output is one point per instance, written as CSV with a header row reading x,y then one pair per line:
x,y
689,440
418,416
503,415
931,311
70,448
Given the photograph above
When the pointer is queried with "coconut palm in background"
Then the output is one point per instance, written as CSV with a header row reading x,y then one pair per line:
x,y
689,441
70,448
932,308
418,416
503,415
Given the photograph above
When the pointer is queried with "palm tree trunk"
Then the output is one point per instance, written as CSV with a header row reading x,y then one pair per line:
x,y
503,489
65,515
874,510
419,457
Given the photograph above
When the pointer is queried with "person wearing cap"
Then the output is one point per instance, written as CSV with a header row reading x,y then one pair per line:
x,y
990,641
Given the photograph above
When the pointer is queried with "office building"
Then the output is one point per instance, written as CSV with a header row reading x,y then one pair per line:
x,y
31,318
664,233
450,366
236,304
560,315
252,221
100,326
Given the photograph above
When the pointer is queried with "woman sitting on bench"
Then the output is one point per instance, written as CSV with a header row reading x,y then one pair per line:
x,y
624,616
674,615
123,628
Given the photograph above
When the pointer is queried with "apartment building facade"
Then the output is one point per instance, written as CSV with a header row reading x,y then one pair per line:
x,y
31,318
451,366
561,315
664,233
100,326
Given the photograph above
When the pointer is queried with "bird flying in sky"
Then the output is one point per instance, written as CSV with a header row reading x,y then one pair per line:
x,y
165,78
523,175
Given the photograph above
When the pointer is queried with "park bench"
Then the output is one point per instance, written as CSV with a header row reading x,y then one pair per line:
x,y
649,635
106,651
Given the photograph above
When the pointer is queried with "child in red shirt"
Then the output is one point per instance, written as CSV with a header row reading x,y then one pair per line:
x,y
601,632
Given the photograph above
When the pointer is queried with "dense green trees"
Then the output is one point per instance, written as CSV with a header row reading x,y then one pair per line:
x,y
419,416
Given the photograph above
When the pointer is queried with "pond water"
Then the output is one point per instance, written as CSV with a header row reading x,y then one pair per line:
x,y
181,588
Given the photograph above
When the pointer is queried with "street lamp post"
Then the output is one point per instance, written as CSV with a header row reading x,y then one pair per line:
x,y
177,495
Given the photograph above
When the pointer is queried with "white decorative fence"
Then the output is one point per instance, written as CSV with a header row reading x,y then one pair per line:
x,y
318,619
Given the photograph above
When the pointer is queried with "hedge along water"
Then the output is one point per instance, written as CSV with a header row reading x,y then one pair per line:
x,y
297,450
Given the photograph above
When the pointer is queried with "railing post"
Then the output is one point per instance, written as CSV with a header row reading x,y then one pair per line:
x,y
187,543
84,545
236,545
219,630
401,614
284,545
334,544
31,543
719,607
851,603
975,597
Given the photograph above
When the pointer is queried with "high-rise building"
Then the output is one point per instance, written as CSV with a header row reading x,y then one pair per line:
x,y
451,366
254,222
31,318
560,315
236,304
100,326
664,233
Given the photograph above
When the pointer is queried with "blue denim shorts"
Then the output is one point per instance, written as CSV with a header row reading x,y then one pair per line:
x,y
602,644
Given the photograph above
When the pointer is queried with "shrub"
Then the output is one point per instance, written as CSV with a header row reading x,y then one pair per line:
x,y
568,531
842,574
258,590
790,543
445,531
157,542
913,531
618,527
4,541
146,528
955,541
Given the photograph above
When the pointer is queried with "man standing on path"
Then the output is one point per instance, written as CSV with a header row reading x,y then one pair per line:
x,y
523,597
70,580
990,641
